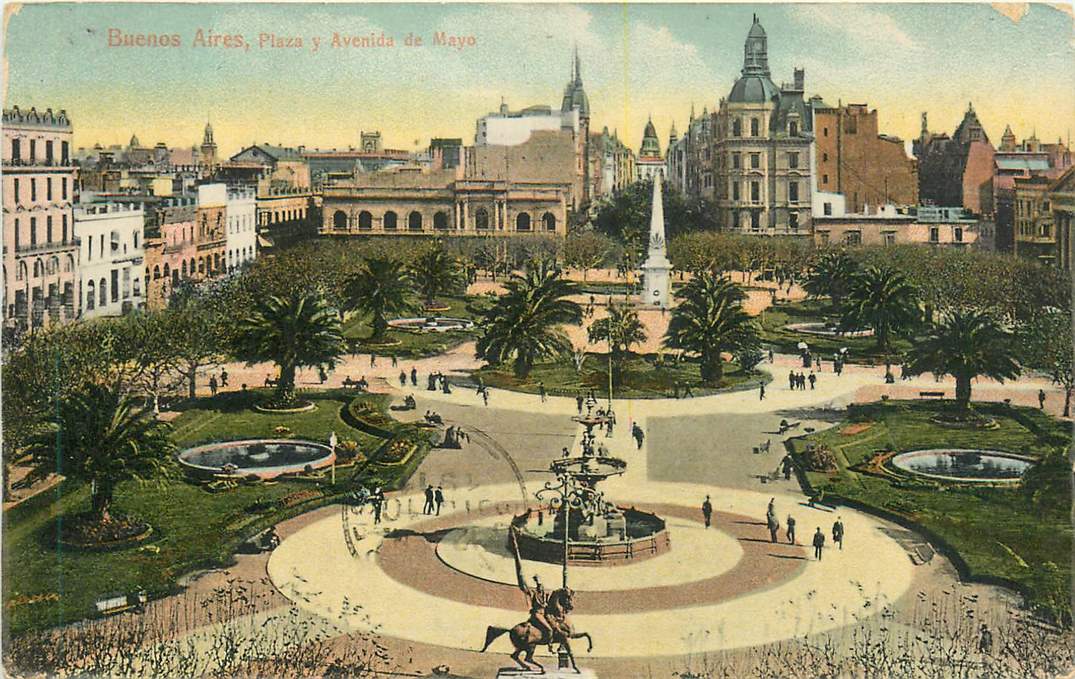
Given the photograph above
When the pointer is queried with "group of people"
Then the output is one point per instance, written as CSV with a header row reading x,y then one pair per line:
x,y
432,417
798,380
684,389
455,437
214,385
436,381
434,500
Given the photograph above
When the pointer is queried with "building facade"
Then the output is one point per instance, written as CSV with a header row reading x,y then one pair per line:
x,y
285,216
112,258
763,137
1062,204
171,249
212,233
889,225
956,171
241,215
40,248
1035,237
650,164
853,158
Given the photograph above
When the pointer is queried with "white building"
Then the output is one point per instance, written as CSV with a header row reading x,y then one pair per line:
x,y
511,128
241,213
112,252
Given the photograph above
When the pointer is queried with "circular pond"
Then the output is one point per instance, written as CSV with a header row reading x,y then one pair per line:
x,y
431,324
963,465
827,330
264,458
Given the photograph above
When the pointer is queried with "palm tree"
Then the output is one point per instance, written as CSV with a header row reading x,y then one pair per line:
x,y
621,329
883,299
709,320
435,272
381,287
103,436
831,276
293,332
966,344
523,324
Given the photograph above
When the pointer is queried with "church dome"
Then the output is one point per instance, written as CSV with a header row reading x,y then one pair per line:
x,y
754,85
753,89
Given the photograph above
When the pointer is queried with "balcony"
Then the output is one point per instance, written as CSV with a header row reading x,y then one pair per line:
x,y
45,248
39,164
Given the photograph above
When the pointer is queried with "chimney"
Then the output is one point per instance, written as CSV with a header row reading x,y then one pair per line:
x,y
800,79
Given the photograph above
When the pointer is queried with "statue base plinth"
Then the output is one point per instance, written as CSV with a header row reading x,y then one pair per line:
x,y
549,673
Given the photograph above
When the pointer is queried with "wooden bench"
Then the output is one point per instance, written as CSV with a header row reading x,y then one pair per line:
x,y
931,394
110,604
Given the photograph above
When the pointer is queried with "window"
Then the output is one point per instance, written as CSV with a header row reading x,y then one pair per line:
x,y
793,192
793,221
823,236
736,161
934,234
755,161
854,238
522,222
65,153
824,179
63,188
755,220
48,229
890,237
851,125
793,160
91,297
737,128
33,189
824,131
440,221
825,157
33,231
48,189
365,220
548,220
16,191
17,238
755,191
48,152
958,234
481,219
414,221
64,227
134,239
16,150
339,220
33,150
389,221
793,128
735,190
754,127
828,209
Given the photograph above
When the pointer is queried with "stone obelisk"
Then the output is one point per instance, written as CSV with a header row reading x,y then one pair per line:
x,y
656,270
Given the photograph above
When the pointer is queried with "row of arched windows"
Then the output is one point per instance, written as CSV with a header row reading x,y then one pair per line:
x,y
45,267
415,221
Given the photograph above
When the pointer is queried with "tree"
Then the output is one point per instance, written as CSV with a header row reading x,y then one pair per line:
x,y
102,436
200,332
883,299
435,272
831,276
621,329
965,345
1046,342
710,320
523,325
301,330
381,287
587,250
151,344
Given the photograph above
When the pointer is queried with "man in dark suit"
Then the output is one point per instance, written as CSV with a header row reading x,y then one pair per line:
x,y
428,507
819,543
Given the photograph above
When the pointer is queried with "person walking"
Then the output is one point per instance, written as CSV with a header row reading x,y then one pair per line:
x,y
1041,399
640,436
813,380
774,527
485,395
770,354
373,360
838,532
791,380
761,391
786,464
377,501
402,379
223,378
395,360
414,377
427,508
438,497
541,392
791,529
771,511
578,403
819,543
566,452
707,511
687,393
212,384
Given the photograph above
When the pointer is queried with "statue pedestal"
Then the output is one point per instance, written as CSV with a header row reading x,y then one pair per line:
x,y
549,673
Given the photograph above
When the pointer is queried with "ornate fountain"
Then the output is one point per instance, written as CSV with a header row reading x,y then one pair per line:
x,y
576,525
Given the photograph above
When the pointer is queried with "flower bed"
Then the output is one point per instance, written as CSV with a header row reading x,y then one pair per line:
x,y
86,531
396,451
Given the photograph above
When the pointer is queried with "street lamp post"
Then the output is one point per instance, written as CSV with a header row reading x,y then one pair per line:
x,y
565,495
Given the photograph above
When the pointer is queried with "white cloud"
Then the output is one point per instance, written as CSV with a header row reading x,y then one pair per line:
x,y
869,26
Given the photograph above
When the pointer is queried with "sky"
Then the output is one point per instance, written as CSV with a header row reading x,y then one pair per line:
x,y
1016,63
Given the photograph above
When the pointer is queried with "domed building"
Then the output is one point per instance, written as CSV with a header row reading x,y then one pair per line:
x,y
650,162
763,139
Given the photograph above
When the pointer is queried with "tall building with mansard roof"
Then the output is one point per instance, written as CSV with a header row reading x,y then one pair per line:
x,y
762,148
650,162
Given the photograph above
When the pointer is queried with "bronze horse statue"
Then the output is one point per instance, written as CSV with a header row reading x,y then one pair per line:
x,y
546,611
526,636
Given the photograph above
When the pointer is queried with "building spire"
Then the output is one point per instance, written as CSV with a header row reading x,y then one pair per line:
x,y
578,66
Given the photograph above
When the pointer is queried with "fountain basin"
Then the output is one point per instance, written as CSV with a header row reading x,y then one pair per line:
x,y
620,536
431,324
963,465
264,458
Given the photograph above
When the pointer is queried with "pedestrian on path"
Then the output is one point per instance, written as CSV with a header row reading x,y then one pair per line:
x,y
761,391
838,532
813,380
373,360
541,392
414,377
791,529
774,527
566,452
377,501
791,380
402,379
771,511
212,384
770,354
687,393
438,497
707,511
321,374
1041,399
224,378
786,464
427,508
640,436
395,360
485,395
819,543
578,403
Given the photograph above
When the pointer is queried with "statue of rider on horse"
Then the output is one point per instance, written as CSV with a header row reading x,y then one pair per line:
x,y
548,623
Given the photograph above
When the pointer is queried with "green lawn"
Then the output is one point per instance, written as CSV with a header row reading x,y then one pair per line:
x,y
640,378
773,320
1000,533
193,528
421,344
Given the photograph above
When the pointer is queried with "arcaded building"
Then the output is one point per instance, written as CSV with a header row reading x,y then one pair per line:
x,y
40,249
854,159
762,149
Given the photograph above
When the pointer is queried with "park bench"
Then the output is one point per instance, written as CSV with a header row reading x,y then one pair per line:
x,y
931,394
269,382
113,603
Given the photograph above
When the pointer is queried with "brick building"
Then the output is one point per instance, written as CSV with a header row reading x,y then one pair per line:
x,y
854,159
957,170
